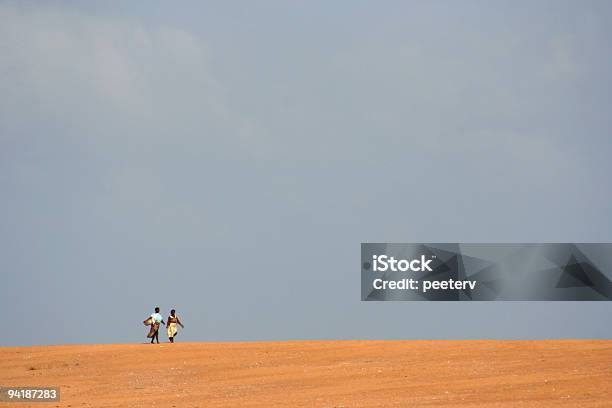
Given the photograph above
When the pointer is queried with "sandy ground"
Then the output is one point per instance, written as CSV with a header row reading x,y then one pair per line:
x,y
319,374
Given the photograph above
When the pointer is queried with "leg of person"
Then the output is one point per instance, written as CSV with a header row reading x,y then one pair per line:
x,y
171,331
151,333
155,332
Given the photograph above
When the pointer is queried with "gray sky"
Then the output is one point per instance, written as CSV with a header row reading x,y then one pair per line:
x,y
228,158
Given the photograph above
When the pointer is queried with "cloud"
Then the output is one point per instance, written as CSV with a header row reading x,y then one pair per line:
x,y
115,81
105,77
97,113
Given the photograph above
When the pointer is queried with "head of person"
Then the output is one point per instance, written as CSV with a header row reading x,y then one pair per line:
x,y
172,312
157,310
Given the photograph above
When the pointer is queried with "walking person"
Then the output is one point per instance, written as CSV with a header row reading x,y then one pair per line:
x,y
173,321
154,320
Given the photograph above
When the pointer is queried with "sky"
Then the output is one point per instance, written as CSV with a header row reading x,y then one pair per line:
x,y
228,158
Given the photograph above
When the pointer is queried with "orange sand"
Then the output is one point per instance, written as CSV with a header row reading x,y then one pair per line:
x,y
319,374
